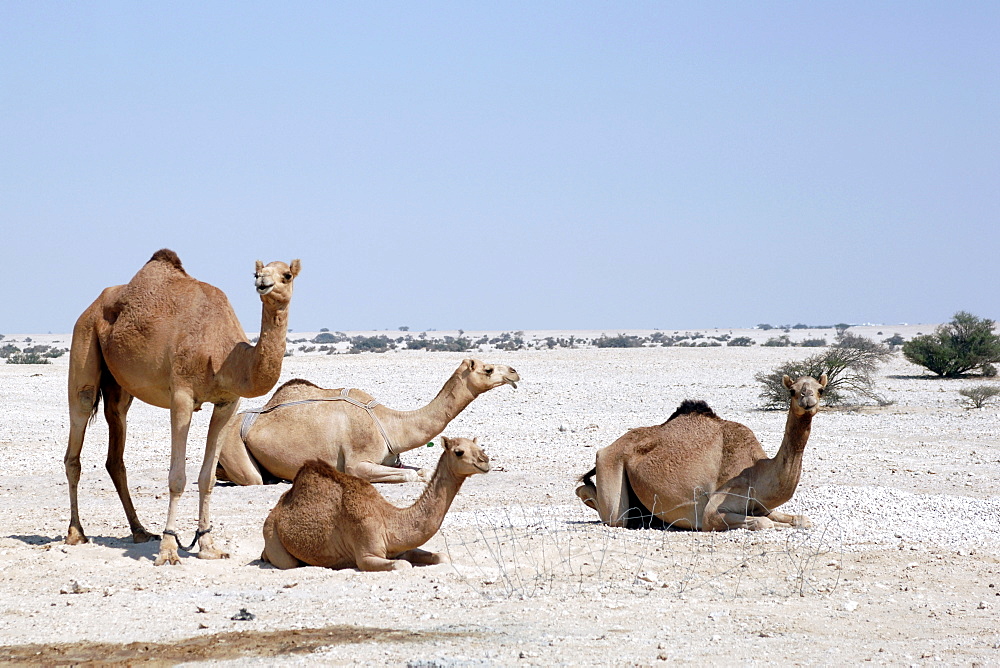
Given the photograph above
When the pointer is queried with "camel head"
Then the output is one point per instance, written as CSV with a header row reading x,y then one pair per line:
x,y
274,281
464,456
480,376
805,393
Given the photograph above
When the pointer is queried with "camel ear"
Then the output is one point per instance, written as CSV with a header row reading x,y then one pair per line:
x,y
470,364
295,267
259,266
475,439
445,442
788,382
822,380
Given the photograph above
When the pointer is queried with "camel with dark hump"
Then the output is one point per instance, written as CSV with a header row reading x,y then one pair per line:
x,y
345,435
698,471
173,342
332,519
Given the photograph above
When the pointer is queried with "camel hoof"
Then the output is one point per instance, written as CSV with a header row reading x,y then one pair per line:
x,y
143,536
587,494
75,537
213,553
167,557
801,522
401,565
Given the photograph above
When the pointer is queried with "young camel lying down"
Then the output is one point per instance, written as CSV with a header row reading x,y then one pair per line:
x,y
332,519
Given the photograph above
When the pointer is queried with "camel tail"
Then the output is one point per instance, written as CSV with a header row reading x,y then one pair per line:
x,y
588,477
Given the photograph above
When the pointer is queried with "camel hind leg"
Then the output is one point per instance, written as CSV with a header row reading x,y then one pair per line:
x,y
612,489
116,404
84,388
235,461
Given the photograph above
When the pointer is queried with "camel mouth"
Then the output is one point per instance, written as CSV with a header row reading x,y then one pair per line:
x,y
481,469
511,381
264,289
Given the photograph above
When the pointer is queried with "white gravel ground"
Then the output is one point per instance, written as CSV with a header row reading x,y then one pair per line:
x,y
902,565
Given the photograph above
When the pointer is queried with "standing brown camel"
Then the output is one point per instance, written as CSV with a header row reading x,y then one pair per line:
x,y
302,421
697,471
173,342
328,518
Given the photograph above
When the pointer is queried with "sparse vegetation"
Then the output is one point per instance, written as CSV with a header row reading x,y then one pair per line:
x,y
848,364
371,344
620,341
27,358
742,341
813,343
964,344
978,396
782,341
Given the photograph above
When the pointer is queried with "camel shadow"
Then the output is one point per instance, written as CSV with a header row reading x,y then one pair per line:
x,y
137,551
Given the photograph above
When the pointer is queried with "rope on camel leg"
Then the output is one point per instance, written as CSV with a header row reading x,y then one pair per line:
x,y
197,535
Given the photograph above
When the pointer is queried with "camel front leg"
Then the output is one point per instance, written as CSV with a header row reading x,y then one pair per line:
x,y
784,520
418,556
222,416
181,407
373,472
274,550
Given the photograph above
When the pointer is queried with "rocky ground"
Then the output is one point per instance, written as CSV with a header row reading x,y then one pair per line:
x,y
902,565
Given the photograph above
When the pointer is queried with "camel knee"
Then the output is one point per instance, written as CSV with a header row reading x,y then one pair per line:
x,y
86,399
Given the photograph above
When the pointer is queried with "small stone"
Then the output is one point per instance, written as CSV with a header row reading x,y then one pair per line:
x,y
850,606
983,605
243,615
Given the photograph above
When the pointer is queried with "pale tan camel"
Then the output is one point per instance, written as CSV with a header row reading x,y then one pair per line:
x,y
697,471
173,342
344,434
331,519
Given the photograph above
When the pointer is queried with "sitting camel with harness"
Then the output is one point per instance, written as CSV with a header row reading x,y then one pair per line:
x,y
346,428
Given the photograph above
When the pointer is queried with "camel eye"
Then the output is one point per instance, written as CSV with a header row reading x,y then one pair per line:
x,y
459,453
288,276
488,370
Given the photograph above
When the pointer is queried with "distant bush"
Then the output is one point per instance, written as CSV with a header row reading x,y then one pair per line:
x,y
813,343
764,326
894,341
978,396
371,344
9,349
848,364
741,341
964,344
620,341
327,337
27,358
782,341
989,371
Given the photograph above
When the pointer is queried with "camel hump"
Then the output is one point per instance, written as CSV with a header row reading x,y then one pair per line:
x,y
316,467
168,256
693,406
295,382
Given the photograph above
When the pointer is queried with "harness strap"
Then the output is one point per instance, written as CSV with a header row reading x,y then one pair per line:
x,y
250,416
197,534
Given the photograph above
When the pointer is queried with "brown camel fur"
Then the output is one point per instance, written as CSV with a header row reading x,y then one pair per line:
x,y
697,471
344,435
173,342
331,519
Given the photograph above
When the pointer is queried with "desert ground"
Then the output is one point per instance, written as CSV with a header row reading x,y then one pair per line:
x,y
900,567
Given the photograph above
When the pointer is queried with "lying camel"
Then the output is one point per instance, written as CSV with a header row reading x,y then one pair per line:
x,y
328,518
698,471
351,432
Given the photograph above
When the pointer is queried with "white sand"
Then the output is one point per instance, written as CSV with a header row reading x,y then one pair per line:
x,y
903,562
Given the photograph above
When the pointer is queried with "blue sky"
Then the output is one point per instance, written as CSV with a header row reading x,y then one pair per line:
x,y
522,165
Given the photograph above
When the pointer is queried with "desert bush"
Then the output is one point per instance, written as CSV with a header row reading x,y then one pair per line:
x,y
848,364
765,326
978,396
964,344
371,344
813,343
9,349
27,358
741,341
989,371
782,341
327,337
894,341
620,341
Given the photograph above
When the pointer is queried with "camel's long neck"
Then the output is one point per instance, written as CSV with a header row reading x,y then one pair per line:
x,y
411,429
415,525
782,473
254,370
